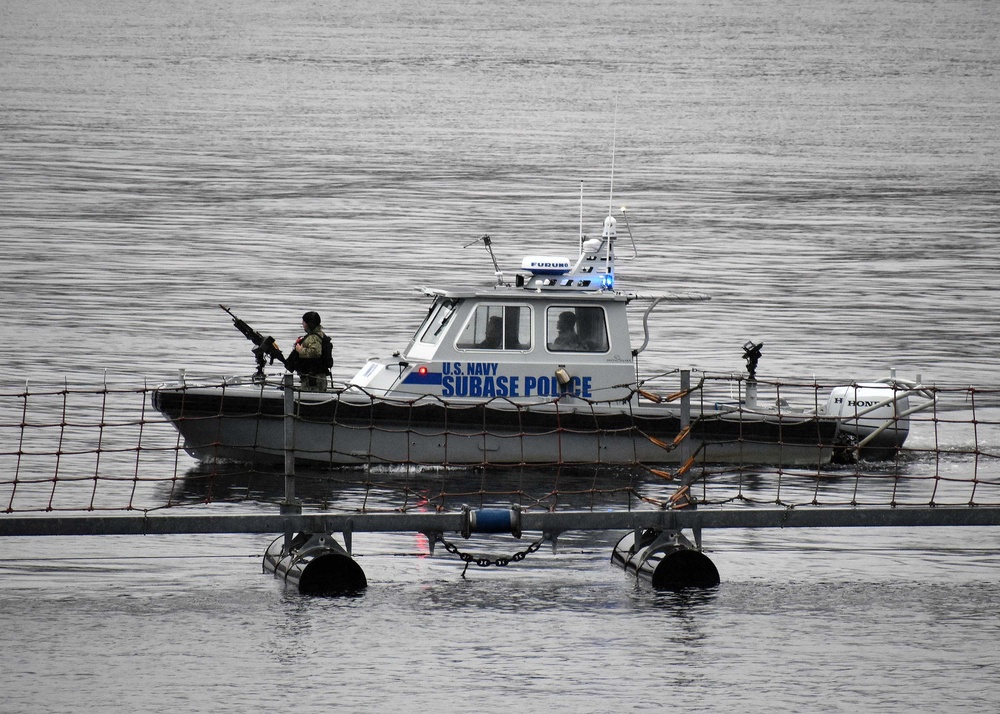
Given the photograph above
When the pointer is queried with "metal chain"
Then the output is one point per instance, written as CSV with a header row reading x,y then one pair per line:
x,y
482,562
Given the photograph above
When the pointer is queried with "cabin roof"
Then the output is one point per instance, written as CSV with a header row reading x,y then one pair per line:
x,y
501,292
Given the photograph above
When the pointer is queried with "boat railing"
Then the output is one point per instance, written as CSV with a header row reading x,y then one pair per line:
x,y
739,394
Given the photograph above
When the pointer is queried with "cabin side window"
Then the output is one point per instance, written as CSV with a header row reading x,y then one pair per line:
x,y
433,327
576,329
497,327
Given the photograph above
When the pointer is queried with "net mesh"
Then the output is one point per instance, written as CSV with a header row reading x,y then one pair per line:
x,y
104,448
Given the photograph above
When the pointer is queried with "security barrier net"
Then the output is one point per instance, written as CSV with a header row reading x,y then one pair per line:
x,y
86,448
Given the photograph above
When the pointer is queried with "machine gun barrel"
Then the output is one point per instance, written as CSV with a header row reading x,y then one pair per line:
x,y
264,347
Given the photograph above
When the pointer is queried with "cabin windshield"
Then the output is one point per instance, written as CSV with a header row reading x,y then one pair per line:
x,y
576,329
497,327
432,328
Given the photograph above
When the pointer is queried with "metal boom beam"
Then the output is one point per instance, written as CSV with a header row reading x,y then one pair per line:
x,y
547,522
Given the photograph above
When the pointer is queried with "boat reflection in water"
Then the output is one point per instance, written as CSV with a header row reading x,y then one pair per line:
x,y
359,489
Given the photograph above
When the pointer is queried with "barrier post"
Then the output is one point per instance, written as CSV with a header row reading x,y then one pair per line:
x,y
290,506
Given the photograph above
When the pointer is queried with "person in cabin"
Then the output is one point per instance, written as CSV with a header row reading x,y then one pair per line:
x,y
566,338
312,357
494,334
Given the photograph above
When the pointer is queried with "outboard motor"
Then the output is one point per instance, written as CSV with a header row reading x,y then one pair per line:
x,y
873,415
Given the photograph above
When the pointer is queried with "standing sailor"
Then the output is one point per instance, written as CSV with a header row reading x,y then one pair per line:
x,y
313,356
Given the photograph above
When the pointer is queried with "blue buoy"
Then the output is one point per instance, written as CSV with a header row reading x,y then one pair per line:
x,y
491,520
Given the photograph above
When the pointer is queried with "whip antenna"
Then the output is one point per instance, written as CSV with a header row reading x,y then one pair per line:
x,y
488,242
614,141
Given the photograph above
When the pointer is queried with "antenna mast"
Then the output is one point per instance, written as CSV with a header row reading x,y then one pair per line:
x,y
488,242
614,141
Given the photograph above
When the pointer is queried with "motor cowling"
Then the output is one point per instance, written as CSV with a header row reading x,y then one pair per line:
x,y
870,407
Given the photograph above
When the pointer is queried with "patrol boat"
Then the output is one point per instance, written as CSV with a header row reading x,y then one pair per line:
x,y
539,370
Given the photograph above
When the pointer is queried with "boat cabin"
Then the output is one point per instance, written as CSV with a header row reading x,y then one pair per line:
x,y
560,330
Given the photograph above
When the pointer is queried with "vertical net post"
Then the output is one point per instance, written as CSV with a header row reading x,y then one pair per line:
x,y
290,506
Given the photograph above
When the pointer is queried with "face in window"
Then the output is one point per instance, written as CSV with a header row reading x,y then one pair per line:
x,y
576,329
493,339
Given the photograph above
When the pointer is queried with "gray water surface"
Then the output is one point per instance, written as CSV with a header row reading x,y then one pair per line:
x,y
827,171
